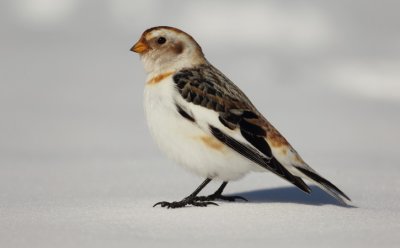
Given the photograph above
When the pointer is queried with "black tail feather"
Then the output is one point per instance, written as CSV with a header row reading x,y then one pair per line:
x,y
332,189
283,172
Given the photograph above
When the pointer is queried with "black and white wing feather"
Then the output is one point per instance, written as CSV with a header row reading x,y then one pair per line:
x,y
207,87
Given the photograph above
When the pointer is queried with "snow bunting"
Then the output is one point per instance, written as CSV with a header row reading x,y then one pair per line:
x,y
204,122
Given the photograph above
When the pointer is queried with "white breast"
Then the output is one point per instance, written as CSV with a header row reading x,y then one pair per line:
x,y
189,144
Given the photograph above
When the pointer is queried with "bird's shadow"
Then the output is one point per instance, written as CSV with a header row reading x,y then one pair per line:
x,y
290,195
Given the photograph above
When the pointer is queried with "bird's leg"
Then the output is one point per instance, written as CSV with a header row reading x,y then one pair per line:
x,y
218,195
190,200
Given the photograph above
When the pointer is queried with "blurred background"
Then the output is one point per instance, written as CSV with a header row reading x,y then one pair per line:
x,y
325,73
69,87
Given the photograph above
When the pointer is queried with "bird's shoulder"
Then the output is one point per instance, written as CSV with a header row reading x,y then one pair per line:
x,y
204,83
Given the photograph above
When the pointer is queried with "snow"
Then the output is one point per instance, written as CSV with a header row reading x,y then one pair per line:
x,y
109,203
79,169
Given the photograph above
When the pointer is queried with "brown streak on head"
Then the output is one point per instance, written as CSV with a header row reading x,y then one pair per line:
x,y
175,30
164,27
178,48
212,142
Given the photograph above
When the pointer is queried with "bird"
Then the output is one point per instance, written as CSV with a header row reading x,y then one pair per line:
x,y
204,122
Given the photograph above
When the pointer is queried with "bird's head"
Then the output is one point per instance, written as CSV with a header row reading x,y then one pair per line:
x,y
167,48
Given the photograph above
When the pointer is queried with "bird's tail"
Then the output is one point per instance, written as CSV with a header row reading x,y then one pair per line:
x,y
325,185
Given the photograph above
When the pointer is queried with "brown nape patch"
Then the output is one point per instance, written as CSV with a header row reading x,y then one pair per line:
x,y
212,142
160,77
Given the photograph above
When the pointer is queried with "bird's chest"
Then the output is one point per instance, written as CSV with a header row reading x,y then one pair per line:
x,y
170,130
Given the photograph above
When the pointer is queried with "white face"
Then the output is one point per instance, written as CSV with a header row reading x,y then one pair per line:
x,y
169,50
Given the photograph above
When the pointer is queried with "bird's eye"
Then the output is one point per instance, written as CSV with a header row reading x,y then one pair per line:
x,y
161,40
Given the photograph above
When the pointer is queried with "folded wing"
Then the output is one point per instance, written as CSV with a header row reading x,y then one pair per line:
x,y
207,87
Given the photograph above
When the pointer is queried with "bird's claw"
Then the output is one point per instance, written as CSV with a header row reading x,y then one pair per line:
x,y
185,202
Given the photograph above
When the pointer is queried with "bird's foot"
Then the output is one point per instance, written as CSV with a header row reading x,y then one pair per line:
x,y
214,197
187,201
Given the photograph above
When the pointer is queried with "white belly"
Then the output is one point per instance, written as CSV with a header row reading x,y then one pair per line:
x,y
187,143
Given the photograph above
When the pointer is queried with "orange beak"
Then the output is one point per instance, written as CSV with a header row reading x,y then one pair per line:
x,y
140,47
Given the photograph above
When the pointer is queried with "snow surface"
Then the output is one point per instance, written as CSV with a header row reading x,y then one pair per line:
x,y
79,169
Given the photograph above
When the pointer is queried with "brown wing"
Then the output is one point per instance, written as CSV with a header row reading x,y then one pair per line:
x,y
206,86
